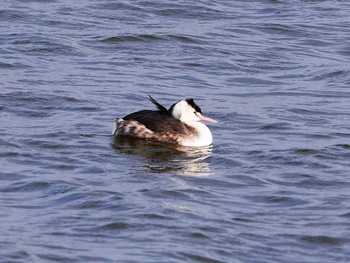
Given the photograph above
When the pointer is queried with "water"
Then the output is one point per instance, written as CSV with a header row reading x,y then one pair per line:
x,y
274,187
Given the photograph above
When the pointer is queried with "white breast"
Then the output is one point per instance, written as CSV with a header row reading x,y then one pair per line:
x,y
203,138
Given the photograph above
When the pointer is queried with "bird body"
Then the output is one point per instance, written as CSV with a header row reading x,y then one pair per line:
x,y
179,125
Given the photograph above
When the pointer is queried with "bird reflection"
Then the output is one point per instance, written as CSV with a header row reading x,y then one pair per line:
x,y
158,158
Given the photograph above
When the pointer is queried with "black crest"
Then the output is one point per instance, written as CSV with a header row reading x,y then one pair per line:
x,y
160,107
194,105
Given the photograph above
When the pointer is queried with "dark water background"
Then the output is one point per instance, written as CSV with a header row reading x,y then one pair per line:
x,y
275,185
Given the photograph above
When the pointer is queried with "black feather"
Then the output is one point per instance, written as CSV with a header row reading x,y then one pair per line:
x,y
160,107
194,105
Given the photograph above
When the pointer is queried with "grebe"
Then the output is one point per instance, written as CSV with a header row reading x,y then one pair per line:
x,y
179,125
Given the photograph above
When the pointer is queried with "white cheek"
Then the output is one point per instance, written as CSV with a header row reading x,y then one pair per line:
x,y
177,111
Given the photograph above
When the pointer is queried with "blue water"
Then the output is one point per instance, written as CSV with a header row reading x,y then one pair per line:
x,y
273,187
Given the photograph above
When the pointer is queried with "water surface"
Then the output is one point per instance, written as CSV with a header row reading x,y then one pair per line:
x,y
274,186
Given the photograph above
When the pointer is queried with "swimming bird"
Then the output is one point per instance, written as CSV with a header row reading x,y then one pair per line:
x,y
180,124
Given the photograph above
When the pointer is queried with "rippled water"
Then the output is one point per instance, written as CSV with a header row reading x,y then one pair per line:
x,y
274,186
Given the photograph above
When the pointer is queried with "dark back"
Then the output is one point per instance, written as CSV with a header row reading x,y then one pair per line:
x,y
158,121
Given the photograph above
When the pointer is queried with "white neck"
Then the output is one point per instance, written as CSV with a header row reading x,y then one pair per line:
x,y
203,137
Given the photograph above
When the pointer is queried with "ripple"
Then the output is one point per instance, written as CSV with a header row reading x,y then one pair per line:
x,y
114,226
199,235
281,29
324,240
12,15
25,187
255,81
68,198
276,126
4,65
306,151
200,258
54,257
243,220
278,200
155,216
34,45
147,38
18,255
346,215
118,6
118,39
